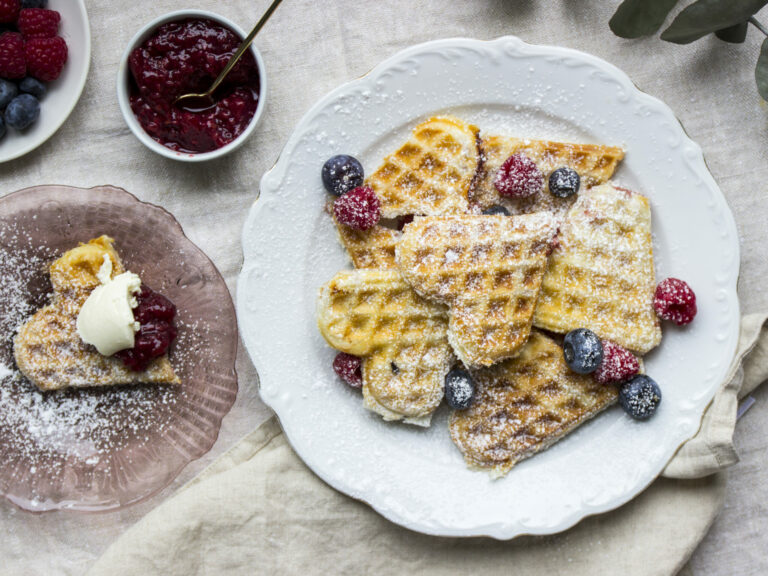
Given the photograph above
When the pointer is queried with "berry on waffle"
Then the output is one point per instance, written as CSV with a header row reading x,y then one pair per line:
x,y
401,337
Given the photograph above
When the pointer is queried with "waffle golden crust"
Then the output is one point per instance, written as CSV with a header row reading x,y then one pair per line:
x,y
524,405
600,275
373,248
487,269
48,350
401,337
594,163
432,172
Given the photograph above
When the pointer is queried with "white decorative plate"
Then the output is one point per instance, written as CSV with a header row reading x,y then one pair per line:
x,y
64,93
416,477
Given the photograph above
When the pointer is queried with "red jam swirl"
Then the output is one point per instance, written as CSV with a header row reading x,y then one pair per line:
x,y
184,57
155,314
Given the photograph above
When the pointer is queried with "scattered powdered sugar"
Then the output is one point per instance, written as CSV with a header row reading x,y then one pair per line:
x,y
46,436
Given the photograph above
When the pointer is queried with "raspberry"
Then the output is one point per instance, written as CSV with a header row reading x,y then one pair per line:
x,y
519,177
674,300
38,23
12,63
349,368
619,364
45,57
358,208
9,10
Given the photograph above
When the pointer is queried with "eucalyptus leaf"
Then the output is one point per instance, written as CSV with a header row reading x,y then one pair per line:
x,y
636,18
706,16
734,34
761,71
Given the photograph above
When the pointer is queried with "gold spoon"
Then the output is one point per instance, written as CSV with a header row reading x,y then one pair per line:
x,y
197,102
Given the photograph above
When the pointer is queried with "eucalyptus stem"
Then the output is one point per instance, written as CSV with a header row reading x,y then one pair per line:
x,y
752,20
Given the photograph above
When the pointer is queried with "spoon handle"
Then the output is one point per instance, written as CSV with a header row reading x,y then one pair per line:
x,y
243,46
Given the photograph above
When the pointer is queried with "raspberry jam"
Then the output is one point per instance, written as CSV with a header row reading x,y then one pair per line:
x,y
155,314
186,56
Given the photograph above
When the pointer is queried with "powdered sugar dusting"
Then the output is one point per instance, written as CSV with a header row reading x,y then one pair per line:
x,y
45,434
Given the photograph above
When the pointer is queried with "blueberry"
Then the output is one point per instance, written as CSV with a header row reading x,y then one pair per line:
x,y
497,209
459,389
33,86
582,350
34,3
640,397
2,127
8,91
564,182
22,111
341,174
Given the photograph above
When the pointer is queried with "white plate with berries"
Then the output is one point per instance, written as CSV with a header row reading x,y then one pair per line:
x,y
45,54
416,477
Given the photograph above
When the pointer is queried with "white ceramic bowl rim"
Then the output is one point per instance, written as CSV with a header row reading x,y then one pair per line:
x,y
130,117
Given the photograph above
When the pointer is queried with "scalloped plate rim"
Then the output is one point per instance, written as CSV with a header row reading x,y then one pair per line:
x,y
277,174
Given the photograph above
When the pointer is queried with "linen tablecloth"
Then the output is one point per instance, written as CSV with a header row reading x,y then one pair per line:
x,y
309,48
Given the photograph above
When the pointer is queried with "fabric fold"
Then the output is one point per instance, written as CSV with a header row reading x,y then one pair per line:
x,y
258,508
712,448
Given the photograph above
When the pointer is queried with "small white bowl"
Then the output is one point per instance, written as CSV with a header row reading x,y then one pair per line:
x,y
123,92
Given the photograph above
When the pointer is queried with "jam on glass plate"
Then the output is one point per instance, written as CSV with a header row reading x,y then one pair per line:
x,y
95,449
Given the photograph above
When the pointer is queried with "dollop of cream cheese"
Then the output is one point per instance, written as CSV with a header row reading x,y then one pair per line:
x,y
106,319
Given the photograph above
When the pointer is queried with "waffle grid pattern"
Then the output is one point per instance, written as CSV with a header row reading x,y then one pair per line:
x,y
524,405
373,248
401,337
48,349
487,269
601,276
431,173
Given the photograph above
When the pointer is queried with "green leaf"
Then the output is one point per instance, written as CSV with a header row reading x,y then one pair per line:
x,y
734,34
706,16
761,71
636,18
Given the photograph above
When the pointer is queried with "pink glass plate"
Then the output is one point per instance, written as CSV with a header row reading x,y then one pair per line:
x,y
96,450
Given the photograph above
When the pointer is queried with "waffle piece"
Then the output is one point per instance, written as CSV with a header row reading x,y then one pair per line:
x,y
372,248
432,172
600,275
524,405
594,163
401,337
487,269
48,350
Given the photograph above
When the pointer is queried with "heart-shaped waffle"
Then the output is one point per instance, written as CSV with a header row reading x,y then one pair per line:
x,y
524,405
400,336
594,163
432,172
48,350
600,275
487,269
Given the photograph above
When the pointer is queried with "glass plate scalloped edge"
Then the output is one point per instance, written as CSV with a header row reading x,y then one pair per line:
x,y
273,328
151,239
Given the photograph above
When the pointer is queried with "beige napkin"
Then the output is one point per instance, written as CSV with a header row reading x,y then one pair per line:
x,y
259,509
